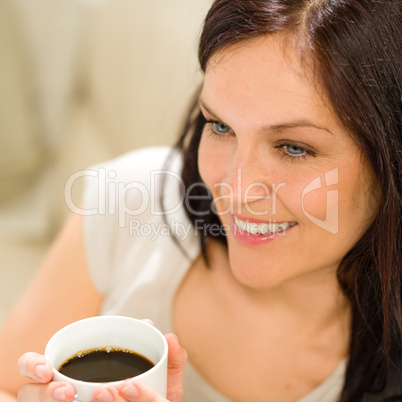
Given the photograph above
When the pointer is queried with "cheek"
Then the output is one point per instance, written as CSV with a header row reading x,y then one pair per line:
x,y
214,163
210,162
315,203
346,206
358,204
205,162
301,196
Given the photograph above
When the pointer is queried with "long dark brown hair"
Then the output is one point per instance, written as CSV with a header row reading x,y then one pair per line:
x,y
355,48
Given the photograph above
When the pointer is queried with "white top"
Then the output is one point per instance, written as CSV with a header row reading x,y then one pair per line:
x,y
133,261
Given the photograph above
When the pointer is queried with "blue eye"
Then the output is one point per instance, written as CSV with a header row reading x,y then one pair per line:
x,y
295,150
220,128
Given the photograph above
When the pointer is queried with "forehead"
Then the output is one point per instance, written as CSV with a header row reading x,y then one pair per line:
x,y
266,77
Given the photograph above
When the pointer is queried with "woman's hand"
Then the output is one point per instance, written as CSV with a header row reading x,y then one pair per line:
x,y
130,391
35,367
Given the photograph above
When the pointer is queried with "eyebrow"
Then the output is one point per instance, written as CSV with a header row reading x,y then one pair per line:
x,y
274,128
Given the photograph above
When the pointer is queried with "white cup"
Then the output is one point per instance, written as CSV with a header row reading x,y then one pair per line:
x,y
117,331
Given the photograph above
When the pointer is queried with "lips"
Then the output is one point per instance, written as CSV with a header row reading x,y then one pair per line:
x,y
251,232
263,228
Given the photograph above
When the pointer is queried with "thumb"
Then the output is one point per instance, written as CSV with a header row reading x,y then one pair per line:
x,y
177,358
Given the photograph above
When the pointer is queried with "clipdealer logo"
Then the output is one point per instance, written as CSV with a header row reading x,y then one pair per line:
x,y
331,221
112,196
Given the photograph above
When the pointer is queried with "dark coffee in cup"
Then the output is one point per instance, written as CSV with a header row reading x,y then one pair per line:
x,y
105,364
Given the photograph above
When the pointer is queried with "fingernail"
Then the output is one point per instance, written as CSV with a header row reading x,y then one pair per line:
x,y
60,393
39,371
105,396
174,336
131,390
148,321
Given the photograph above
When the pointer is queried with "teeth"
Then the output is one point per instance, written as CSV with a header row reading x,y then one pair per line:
x,y
264,228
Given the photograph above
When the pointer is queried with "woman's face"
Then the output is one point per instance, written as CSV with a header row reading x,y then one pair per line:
x,y
289,184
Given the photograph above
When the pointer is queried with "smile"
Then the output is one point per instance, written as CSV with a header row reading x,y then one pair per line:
x,y
262,228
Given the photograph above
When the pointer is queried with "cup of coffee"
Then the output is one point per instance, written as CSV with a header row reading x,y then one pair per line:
x,y
108,349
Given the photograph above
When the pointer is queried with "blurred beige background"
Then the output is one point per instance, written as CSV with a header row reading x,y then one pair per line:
x,y
81,81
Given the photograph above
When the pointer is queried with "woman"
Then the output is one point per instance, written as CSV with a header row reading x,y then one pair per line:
x,y
294,293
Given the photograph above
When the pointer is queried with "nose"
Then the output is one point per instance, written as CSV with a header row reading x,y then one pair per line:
x,y
247,180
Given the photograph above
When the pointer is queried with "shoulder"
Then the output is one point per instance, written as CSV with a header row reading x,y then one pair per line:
x,y
136,175
137,163
124,217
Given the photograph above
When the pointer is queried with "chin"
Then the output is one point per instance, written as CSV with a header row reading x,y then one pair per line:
x,y
257,278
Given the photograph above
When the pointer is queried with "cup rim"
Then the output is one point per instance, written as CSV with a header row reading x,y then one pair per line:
x,y
63,377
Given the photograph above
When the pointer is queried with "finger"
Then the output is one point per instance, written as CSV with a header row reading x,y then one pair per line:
x,y
148,321
35,367
126,392
138,392
132,391
54,391
177,358
105,393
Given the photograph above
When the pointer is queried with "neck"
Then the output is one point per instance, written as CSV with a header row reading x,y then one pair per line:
x,y
312,303
314,300
313,311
